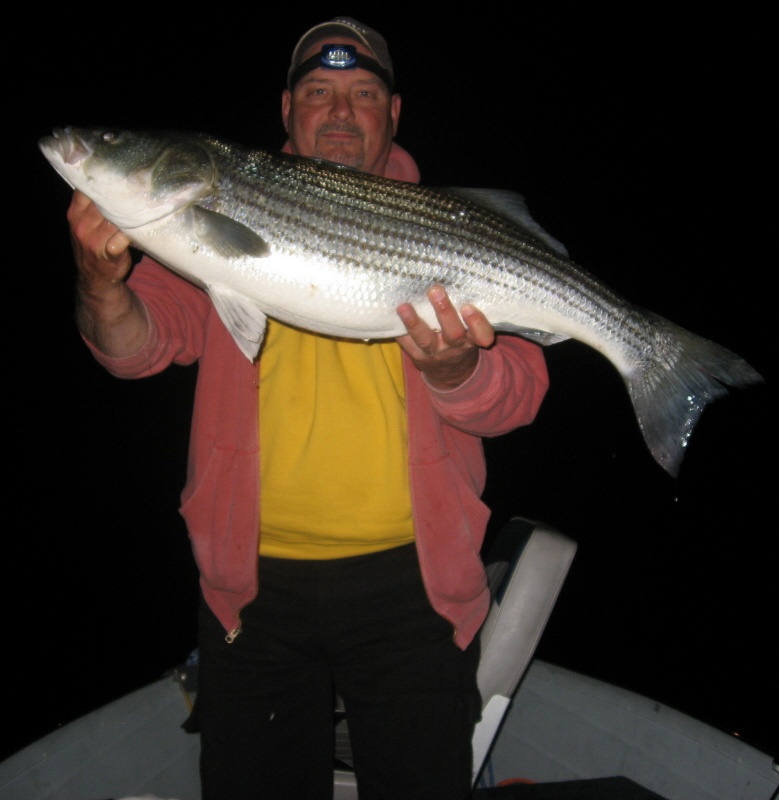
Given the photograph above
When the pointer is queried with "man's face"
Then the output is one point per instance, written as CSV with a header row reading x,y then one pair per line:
x,y
347,116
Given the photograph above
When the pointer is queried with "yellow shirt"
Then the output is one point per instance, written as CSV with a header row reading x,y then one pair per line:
x,y
333,444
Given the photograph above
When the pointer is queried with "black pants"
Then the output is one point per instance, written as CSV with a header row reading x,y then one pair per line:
x,y
364,628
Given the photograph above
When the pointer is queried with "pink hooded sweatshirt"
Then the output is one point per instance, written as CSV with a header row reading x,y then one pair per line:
x,y
222,495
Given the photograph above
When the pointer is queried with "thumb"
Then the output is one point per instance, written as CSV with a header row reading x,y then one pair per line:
x,y
117,245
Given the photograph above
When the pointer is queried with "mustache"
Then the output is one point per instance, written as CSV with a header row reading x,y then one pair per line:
x,y
342,127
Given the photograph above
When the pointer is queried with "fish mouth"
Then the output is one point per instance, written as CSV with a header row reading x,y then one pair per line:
x,y
66,143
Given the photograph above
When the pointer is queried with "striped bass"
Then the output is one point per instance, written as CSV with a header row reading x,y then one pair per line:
x,y
335,251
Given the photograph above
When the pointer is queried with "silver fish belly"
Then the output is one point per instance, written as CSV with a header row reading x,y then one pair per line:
x,y
335,251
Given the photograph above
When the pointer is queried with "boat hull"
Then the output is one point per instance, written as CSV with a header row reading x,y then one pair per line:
x,y
561,726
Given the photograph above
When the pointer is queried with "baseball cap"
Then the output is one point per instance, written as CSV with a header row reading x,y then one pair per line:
x,y
340,27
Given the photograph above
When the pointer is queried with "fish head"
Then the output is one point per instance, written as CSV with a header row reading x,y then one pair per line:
x,y
133,177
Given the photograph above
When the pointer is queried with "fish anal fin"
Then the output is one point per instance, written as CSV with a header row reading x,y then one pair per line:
x,y
226,237
544,338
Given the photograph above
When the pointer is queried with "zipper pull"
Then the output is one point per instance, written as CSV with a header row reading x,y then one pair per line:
x,y
232,635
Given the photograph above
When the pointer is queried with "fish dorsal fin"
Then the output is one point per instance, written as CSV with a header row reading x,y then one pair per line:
x,y
242,317
227,237
511,206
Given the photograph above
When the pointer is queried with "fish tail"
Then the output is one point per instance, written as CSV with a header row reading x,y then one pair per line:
x,y
671,391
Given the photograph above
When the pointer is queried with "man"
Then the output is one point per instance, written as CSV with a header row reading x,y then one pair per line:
x,y
333,490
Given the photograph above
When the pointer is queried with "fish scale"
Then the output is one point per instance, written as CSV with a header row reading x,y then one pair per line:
x,y
335,250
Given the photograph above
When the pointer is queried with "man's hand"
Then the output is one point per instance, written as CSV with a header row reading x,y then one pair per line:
x,y
108,313
101,250
448,356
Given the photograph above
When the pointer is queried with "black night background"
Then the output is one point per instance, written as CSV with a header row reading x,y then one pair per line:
x,y
642,145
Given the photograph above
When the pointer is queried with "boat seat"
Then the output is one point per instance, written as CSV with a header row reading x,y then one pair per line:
x,y
526,566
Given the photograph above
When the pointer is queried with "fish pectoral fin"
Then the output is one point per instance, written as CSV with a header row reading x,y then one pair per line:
x,y
534,334
242,317
227,237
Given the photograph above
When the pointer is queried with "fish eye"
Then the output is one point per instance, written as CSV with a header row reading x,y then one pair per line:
x,y
109,136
